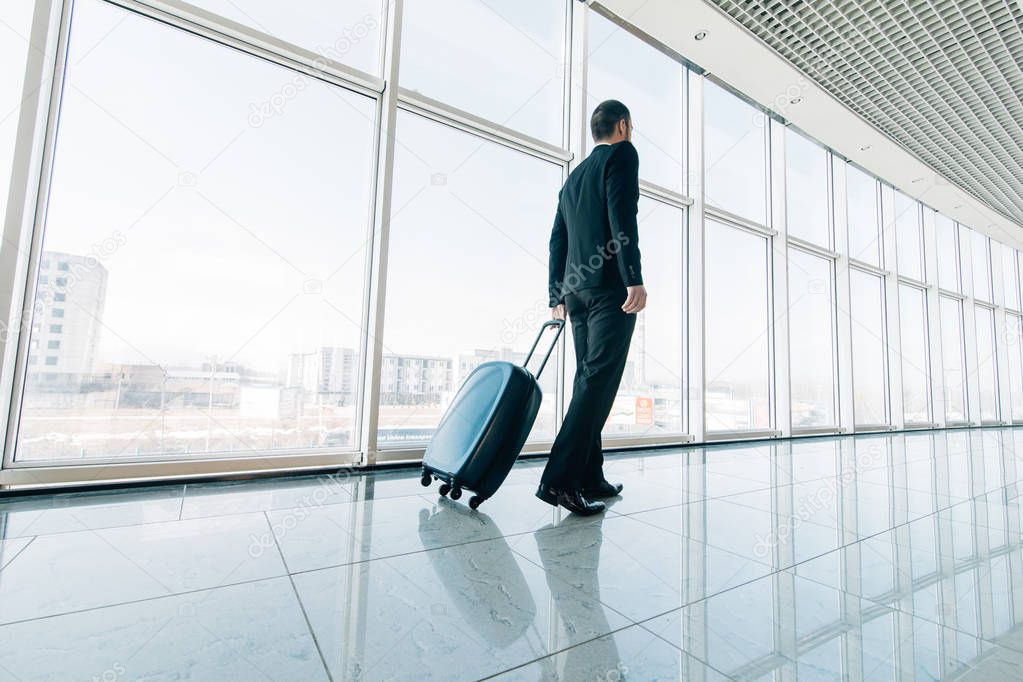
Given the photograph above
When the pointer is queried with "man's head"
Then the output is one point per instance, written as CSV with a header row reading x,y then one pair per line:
x,y
611,122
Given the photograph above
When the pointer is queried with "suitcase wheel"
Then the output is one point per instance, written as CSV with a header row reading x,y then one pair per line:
x,y
456,492
475,501
444,488
427,479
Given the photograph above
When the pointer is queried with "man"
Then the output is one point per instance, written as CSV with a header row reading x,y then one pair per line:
x,y
595,277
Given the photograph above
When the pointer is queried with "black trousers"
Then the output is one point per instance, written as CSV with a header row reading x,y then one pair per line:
x,y
602,334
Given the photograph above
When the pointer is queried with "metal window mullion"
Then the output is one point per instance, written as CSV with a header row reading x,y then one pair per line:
x,y
932,302
249,40
27,198
892,335
971,373
695,338
723,216
778,284
931,276
843,299
374,310
998,278
441,112
664,195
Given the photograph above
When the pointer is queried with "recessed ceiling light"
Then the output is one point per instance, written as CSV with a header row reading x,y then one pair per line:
x,y
795,100
700,35
864,147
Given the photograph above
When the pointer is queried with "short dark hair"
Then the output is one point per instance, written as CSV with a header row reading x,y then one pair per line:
x,y
605,118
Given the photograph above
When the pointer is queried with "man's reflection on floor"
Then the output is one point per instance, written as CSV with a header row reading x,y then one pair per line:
x,y
577,562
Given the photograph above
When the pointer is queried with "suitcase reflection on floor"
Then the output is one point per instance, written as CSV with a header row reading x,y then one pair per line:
x,y
494,598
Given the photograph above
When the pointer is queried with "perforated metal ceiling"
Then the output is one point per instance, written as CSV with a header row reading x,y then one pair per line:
x,y
942,78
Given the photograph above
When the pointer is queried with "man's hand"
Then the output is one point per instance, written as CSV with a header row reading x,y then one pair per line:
x,y
636,299
558,312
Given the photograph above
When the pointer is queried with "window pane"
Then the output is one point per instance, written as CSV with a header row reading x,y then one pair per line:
x,y
909,246
981,266
987,380
204,264
1014,348
502,61
621,66
1010,276
650,397
347,32
735,168
811,340
868,348
488,209
952,362
864,235
806,189
737,329
916,389
947,252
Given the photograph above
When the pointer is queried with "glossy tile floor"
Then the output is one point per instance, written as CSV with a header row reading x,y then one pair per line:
x,y
855,558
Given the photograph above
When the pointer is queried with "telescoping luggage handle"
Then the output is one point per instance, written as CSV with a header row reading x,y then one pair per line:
x,y
560,324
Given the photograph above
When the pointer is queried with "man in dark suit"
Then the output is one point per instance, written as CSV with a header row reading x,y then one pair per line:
x,y
595,276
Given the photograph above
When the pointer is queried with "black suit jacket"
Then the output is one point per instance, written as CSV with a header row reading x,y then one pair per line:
x,y
595,240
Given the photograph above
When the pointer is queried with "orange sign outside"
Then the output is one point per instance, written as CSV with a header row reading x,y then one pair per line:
x,y
644,410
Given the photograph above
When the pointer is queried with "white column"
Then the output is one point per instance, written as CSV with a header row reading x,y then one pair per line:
x,y
998,277
842,297
32,161
779,264
891,295
694,334
934,322
373,326
969,380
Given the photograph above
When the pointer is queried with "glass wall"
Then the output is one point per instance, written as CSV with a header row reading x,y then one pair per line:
x,y
1014,351
869,349
734,155
200,270
621,66
909,237
456,51
487,210
806,190
863,202
953,360
1010,276
981,266
212,264
811,340
916,386
650,400
987,373
738,329
947,238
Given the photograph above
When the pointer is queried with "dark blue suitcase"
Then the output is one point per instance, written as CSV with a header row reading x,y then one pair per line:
x,y
486,425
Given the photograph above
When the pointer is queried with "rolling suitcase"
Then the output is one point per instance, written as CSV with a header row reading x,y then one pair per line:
x,y
484,428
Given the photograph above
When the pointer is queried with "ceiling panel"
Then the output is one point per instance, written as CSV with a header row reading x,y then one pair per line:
x,y
944,79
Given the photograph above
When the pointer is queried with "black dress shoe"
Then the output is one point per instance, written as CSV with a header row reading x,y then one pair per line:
x,y
574,502
602,490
